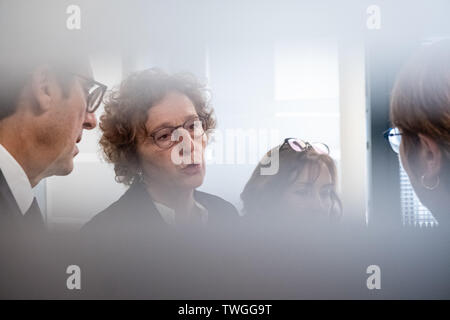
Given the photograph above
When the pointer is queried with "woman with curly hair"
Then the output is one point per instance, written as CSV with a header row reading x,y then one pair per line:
x,y
155,130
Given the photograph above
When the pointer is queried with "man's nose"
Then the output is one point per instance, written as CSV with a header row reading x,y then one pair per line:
x,y
90,121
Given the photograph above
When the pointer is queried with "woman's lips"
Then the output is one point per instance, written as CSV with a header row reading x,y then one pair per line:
x,y
191,169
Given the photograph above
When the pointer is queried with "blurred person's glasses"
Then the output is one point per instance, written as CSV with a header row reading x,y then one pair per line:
x,y
163,137
94,91
394,137
299,145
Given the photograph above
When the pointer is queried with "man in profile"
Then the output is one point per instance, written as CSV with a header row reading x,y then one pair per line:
x,y
47,98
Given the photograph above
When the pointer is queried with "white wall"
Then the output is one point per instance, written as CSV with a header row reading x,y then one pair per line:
x,y
353,129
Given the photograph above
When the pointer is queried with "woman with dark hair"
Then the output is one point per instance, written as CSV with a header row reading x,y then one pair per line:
x,y
155,130
303,186
420,114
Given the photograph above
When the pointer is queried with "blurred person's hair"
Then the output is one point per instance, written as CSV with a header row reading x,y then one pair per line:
x,y
125,116
420,102
34,34
262,194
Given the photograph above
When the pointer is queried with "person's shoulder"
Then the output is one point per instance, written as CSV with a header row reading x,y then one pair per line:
x,y
104,218
216,204
113,215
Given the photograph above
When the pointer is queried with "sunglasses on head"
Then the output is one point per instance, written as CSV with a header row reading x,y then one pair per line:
x,y
299,145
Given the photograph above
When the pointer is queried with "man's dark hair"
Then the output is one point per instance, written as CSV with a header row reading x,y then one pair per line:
x,y
32,34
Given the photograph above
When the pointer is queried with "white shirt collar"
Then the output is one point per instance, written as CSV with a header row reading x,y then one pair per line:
x,y
17,180
168,214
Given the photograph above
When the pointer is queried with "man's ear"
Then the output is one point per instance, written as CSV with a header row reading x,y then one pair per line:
x,y
431,156
41,90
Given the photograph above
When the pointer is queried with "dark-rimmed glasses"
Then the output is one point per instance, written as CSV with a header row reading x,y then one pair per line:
x,y
94,93
394,137
163,136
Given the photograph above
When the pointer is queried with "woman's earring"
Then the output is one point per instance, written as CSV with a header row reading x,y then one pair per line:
x,y
428,187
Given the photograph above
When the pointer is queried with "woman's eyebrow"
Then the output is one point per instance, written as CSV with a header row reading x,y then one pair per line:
x,y
163,125
192,116
171,125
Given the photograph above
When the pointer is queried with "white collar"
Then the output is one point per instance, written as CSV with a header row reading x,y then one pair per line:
x,y
168,214
17,180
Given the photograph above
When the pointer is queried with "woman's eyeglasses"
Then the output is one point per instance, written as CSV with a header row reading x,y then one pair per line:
x,y
299,145
394,137
163,137
94,93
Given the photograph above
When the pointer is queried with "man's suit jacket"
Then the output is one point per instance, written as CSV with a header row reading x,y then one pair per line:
x,y
10,215
27,268
12,219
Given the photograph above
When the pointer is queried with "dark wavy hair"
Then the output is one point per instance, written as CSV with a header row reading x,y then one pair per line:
x,y
123,121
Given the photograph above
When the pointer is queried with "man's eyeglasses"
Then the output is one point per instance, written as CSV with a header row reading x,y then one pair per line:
x,y
94,93
394,137
163,137
299,145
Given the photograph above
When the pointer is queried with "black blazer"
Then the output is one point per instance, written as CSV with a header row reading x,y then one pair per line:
x,y
23,252
10,215
11,218
136,212
129,238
